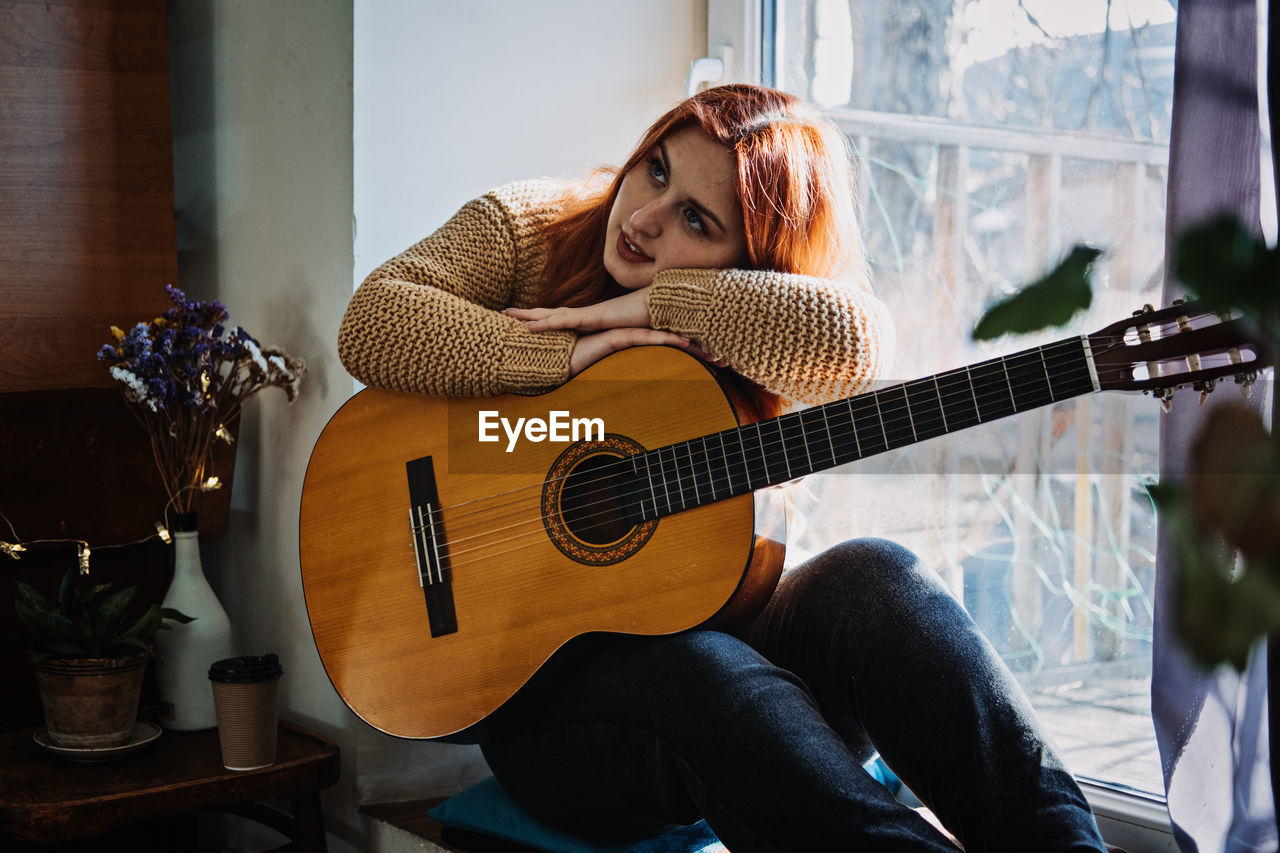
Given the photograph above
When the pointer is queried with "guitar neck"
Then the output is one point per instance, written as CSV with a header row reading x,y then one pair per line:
x,y
702,470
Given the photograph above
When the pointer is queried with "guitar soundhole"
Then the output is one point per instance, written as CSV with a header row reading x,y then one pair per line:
x,y
582,510
589,502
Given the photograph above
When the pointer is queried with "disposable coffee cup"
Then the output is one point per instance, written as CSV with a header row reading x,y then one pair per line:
x,y
246,700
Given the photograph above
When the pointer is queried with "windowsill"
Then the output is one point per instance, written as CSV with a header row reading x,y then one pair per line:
x,y
1134,820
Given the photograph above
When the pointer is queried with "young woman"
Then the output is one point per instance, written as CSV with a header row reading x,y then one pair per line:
x,y
730,232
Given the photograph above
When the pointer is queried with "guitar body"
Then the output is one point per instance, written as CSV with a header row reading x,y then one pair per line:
x,y
522,576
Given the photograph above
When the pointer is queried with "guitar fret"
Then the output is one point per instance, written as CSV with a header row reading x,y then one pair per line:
x,y
667,479
706,459
662,478
927,418
782,442
728,470
868,430
942,409
993,393
817,440
804,441
1004,366
653,495
959,400
894,412
741,459
853,421
974,393
1029,383
760,446
692,468
775,462
830,441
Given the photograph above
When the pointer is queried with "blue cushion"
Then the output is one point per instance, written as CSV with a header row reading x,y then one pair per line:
x,y
485,808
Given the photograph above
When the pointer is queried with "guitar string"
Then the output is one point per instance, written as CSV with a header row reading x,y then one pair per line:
x,y
866,402
533,524
679,493
680,487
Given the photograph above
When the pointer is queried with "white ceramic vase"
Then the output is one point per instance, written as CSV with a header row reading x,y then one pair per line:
x,y
185,652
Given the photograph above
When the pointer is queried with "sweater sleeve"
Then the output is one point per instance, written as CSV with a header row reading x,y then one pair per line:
x,y
427,321
806,339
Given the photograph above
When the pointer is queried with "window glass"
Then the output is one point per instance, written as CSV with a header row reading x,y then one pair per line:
x,y
992,136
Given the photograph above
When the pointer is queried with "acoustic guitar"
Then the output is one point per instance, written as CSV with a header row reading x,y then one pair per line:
x,y
450,546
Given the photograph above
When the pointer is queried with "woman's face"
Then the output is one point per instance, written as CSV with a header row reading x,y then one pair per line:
x,y
678,208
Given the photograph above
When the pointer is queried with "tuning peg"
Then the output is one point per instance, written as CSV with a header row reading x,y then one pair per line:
x,y
1165,396
1205,388
1245,381
1145,309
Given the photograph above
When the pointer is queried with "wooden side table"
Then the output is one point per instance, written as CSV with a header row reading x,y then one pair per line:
x,y
45,798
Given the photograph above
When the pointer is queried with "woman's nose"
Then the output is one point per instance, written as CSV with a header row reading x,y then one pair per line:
x,y
647,219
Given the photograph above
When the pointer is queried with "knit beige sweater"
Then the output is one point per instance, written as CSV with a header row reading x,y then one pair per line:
x,y
428,321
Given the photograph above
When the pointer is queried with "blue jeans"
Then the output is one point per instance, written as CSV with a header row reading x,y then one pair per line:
x,y
764,734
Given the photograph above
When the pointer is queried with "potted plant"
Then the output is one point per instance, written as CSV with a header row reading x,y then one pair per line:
x,y
89,658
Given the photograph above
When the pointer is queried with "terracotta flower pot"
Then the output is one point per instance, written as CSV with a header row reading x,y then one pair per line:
x,y
91,703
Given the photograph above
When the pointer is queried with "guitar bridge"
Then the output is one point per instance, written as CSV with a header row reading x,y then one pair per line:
x,y
430,548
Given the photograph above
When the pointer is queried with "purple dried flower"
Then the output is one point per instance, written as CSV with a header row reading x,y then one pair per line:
x,y
188,376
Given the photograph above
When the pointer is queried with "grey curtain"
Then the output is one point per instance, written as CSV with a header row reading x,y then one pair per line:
x,y
1211,726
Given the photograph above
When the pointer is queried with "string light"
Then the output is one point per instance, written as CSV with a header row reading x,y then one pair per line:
x,y
84,551
210,484
222,433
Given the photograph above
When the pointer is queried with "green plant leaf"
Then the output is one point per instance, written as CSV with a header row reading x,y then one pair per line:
x,y
144,628
30,605
1226,267
1219,614
176,616
1048,301
114,606
87,622
66,590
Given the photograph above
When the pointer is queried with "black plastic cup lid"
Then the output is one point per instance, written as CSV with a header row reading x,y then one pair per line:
x,y
246,670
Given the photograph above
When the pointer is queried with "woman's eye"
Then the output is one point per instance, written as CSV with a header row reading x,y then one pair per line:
x,y
695,221
656,171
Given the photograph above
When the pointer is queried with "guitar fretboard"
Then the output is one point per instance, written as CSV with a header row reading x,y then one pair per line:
x,y
736,461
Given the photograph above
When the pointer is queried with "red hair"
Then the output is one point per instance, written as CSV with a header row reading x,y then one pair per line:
x,y
794,184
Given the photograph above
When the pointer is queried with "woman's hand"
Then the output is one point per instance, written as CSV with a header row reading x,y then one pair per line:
x,y
591,348
627,311
605,328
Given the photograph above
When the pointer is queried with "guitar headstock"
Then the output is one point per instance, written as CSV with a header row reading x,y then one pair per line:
x,y
1181,346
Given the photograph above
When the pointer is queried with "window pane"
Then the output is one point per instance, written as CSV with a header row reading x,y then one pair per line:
x,y
993,135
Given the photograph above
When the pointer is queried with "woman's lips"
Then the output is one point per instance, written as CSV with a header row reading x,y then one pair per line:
x,y
629,252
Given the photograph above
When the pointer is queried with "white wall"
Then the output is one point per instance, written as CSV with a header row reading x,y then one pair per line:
x,y
315,138
455,98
